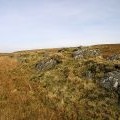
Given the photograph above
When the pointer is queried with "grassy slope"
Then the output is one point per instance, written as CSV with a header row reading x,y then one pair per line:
x,y
56,94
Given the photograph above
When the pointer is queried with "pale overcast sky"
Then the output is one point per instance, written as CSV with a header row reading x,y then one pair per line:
x,y
34,24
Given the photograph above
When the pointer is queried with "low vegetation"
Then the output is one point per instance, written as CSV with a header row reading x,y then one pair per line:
x,y
57,84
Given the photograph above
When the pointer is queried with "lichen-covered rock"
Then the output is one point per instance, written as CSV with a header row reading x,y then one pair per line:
x,y
78,54
46,64
111,80
93,52
83,53
114,57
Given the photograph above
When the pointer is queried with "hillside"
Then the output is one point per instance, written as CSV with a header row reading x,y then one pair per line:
x,y
79,83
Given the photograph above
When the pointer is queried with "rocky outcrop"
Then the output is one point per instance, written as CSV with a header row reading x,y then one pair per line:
x,y
114,57
83,53
111,80
47,64
107,75
78,54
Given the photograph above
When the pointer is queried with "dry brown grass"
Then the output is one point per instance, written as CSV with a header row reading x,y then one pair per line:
x,y
17,99
108,50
